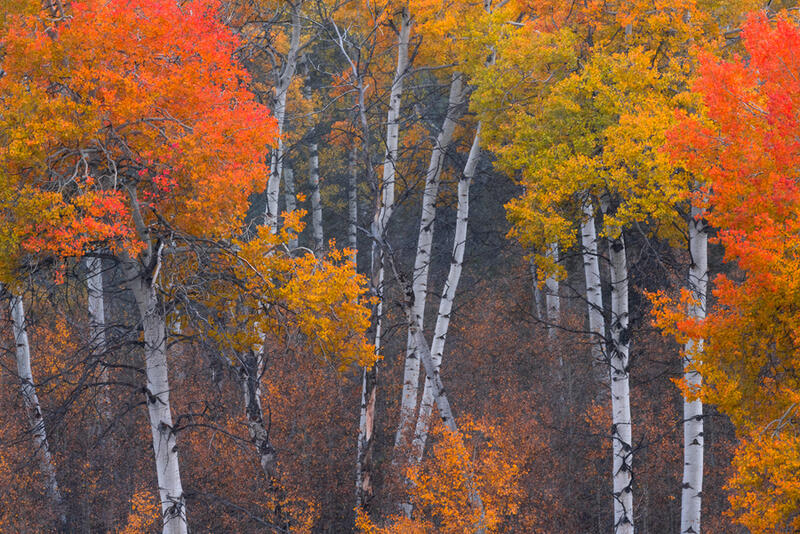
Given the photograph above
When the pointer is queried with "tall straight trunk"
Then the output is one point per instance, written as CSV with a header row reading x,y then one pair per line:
x,y
594,294
552,298
97,328
448,296
693,410
537,307
316,201
173,504
622,445
33,410
383,212
408,403
279,112
290,196
352,206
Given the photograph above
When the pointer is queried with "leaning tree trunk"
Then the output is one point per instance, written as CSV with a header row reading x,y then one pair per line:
x,y
33,410
279,112
433,377
693,410
594,294
446,303
383,212
408,403
316,201
622,445
173,504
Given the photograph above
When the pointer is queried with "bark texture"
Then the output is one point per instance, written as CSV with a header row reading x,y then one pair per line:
x,y
446,302
422,261
594,294
552,298
97,328
316,201
691,495
279,111
383,212
33,409
622,445
157,390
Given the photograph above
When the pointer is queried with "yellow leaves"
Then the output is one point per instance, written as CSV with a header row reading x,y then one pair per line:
x,y
144,515
319,302
480,459
765,489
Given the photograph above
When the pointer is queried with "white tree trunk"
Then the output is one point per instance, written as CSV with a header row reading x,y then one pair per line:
x,y
316,201
97,328
383,212
32,408
279,112
448,295
408,403
352,206
538,306
173,505
433,377
290,196
594,294
693,411
249,375
552,298
622,443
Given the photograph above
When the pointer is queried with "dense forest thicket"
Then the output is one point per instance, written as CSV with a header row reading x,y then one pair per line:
x,y
399,267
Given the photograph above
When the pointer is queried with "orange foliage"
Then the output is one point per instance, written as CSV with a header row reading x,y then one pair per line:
x,y
119,113
746,147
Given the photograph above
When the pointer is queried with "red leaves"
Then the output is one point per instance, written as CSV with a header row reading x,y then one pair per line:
x,y
145,96
748,151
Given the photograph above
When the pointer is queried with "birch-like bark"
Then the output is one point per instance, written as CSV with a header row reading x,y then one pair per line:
x,y
316,201
692,488
279,112
537,308
33,409
448,296
97,328
438,394
290,197
622,444
173,504
552,298
383,212
352,206
594,293
408,403
256,427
